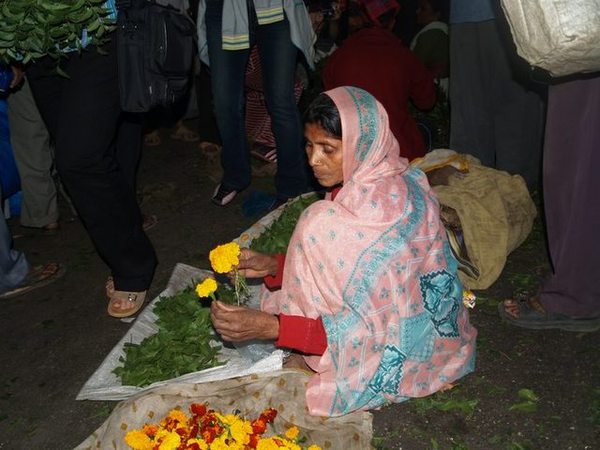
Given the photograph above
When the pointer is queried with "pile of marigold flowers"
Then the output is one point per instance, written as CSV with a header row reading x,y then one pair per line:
x,y
207,429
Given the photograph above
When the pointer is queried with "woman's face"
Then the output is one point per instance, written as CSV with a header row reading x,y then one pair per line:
x,y
324,155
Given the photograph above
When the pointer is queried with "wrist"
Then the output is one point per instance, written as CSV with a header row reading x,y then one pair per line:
x,y
273,266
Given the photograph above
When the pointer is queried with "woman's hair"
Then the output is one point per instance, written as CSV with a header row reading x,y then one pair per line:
x,y
323,112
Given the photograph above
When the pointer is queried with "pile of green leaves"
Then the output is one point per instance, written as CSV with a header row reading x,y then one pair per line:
x,y
31,29
181,345
275,238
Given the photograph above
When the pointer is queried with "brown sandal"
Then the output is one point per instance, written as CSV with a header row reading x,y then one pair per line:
x,y
134,299
38,276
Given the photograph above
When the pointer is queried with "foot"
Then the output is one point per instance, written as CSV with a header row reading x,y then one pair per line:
x,y
152,139
149,221
125,304
183,133
37,277
528,312
295,361
209,148
222,195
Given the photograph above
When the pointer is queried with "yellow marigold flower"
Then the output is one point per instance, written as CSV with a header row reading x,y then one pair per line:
x,y
267,444
220,443
224,257
292,433
206,288
241,430
314,447
138,440
179,415
169,440
289,445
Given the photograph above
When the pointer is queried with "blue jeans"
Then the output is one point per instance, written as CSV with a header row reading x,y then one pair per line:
x,y
13,265
278,57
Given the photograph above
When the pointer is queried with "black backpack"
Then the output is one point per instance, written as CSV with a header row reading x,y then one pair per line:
x,y
155,51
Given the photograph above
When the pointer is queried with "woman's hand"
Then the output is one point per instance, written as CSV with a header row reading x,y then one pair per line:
x,y
238,324
256,265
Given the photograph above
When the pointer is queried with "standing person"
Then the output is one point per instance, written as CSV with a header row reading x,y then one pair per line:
x,y
375,60
17,277
494,116
570,298
430,44
35,160
227,29
369,295
97,149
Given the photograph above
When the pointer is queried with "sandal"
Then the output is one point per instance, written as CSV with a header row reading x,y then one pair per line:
x,y
152,139
267,154
148,221
135,300
38,276
210,148
183,133
531,314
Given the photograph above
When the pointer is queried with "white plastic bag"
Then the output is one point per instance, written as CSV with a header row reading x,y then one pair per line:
x,y
560,36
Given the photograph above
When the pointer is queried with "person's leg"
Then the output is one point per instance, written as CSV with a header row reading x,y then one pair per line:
x,y
206,116
517,111
471,124
278,57
571,190
13,264
82,113
227,69
33,154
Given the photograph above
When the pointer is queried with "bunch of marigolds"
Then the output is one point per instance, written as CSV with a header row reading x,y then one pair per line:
x,y
207,429
225,259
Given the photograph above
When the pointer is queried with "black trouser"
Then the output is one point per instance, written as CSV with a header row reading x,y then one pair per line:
x,y
97,149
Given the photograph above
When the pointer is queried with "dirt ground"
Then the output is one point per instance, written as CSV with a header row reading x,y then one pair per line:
x,y
530,390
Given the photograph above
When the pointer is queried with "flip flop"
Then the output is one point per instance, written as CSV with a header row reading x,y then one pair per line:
x,y
135,299
148,221
38,276
183,133
265,153
534,319
152,139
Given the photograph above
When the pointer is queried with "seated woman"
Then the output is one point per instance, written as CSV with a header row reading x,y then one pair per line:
x,y
370,296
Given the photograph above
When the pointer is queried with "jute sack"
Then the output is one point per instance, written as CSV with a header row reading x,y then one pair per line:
x,y
559,36
496,213
283,390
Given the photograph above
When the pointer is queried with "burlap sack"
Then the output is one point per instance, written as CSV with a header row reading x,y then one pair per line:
x,y
496,214
560,36
283,390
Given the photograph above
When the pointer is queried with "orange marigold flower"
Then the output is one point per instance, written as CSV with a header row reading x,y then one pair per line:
x,y
292,433
138,440
150,430
259,426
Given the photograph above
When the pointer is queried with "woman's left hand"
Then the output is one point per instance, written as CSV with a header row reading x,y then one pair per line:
x,y
238,323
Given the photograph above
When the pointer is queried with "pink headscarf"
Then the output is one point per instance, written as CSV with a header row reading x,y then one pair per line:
x,y
375,265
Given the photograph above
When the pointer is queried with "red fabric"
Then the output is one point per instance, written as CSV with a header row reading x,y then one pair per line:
x,y
273,282
375,60
302,334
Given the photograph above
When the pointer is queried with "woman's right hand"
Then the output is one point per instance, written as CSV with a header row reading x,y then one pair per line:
x,y
256,265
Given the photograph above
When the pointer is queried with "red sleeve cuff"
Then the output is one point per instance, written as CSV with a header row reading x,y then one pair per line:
x,y
302,334
273,282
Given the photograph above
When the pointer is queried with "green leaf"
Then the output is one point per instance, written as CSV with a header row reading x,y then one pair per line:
x,y
528,394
